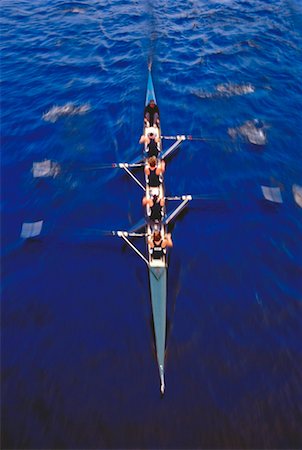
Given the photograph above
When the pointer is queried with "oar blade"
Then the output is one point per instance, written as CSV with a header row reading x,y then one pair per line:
x,y
45,169
272,194
31,229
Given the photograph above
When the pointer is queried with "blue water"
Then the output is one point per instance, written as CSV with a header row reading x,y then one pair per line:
x,y
78,360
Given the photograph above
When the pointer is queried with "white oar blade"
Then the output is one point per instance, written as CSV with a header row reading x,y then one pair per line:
x,y
30,230
297,193
272,194
45,169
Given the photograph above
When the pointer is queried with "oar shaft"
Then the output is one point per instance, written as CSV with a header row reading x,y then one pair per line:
x,y
194,197
179,197
128,233
188,137
113,166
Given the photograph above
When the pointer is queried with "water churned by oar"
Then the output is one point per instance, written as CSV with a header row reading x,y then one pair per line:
x,y
226,90
235,89
297,193
252,130
70,109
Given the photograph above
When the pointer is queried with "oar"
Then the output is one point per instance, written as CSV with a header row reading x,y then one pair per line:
x,y
31,230
113,166
53,168
195,197
189,137
97,232
128,234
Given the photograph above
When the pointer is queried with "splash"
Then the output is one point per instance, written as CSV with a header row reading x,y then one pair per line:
x,y
252,130
67,110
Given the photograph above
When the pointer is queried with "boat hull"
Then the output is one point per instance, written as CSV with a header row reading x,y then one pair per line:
x,y
158,288
157,267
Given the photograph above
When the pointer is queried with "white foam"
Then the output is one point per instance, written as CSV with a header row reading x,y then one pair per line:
x,y
251,130
297,193
226,90
230,89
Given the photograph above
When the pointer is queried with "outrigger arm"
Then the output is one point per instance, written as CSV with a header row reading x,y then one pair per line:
x,y
125,167
179,140
185,200
124,235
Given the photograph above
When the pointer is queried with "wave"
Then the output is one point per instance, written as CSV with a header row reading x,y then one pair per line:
x,y
67,110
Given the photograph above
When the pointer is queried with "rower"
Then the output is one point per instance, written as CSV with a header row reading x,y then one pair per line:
x,y
151,142
155,204
153,171
152,146
151,114
159,244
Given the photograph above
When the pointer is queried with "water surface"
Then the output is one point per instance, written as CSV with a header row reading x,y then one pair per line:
x,y
78,359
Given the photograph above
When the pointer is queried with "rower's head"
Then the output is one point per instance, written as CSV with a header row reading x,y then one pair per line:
x,y
155,197
151,135
156,236
152,161
152,103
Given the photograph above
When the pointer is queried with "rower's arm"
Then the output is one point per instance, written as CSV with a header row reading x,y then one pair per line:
x,y
150,242
147,201
173,147
167,242
161,168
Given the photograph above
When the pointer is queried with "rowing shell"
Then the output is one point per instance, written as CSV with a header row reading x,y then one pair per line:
x,y
157,267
